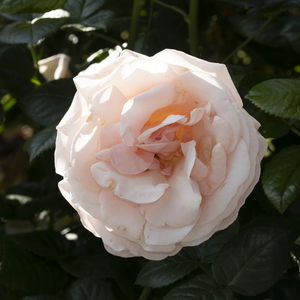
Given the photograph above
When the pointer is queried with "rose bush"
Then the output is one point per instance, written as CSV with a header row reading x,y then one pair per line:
x,y
157,153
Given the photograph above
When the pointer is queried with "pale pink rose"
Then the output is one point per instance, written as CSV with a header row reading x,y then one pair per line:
x,y
157,153
55,67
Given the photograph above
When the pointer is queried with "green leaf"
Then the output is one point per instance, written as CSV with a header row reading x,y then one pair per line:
x,y
42,297
281,178
27,273
273,7
253,261
100,20
50,101
41,141
29,6
280,97
297,242
47,244
30,32
208,250
99,265
291,32
16,69
270,35
89,289
156,274
201,287
82,9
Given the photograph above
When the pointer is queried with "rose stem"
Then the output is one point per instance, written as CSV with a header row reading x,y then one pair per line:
x,y
105,37
248,40
134,23
292,128
193,27
186,16
148,26
145,293
33,55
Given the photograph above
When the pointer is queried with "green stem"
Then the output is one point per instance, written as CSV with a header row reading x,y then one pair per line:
x,y
193,27
134,23
33,55
145,293
248,40
292,128
186,16
105,37
148,26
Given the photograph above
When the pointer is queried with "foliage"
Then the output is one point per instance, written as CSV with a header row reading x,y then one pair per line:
x,y
45,252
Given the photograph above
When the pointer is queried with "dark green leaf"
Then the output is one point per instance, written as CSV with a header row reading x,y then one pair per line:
x,y
297,241
50,101
281,178
29,6
253,261
82,9
20,17
273,7
30,32
41,141
89,289
209,249
47,244
27,273
16,69
164,272
99,265
100,20
270,35
291,32
201,287
280,97
42,297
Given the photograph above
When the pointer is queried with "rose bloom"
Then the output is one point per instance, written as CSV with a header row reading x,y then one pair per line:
x,y
55,67
157,153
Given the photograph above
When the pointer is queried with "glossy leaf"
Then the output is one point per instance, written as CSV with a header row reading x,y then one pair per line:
x,y
201,287
26,273
280,97
100,20
29,6
41,141
253,261
82,9
50,101
281,178
164,272
47,244
89,289
274,7
30,32
208,250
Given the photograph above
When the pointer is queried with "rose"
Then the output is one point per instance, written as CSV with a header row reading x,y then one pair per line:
x,y
55,67
157,152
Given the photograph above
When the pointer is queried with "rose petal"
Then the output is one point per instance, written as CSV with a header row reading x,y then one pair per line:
x,y
180,204
146,187
175,57
138,110
160,147
110,136
123,217
128,162
212,89
199,170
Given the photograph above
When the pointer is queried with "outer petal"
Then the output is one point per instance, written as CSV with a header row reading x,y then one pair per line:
x,y
220,71
146,187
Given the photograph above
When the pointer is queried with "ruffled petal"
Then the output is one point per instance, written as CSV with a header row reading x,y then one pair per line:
x,y
146,187
138,110
180,204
